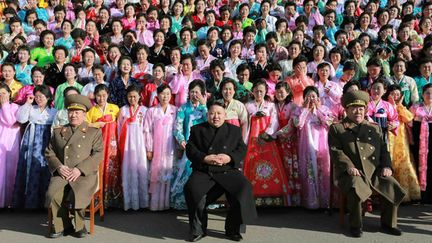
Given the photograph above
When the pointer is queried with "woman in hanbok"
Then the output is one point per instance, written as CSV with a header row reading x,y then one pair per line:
x,y
159,139
142,67
149,93
180,82
422,124
70,72
38,75
135,175
192,113
381,111
9,145
33,175
263,166
104,115
287,141
402,165
236,113
313,121
330,92
61,117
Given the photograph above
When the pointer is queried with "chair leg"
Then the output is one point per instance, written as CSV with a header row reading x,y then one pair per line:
x,y
50,219
92,215
101,207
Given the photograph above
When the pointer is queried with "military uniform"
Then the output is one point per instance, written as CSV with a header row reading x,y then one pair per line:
x,y
361,146
75,147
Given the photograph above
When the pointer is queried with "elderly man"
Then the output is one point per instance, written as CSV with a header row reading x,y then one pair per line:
x,y
73,156
362,165
216,150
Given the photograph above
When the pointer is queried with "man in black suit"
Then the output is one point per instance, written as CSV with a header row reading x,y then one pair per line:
x,y
216,150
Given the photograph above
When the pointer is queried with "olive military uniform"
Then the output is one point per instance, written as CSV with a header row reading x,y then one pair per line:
x,y
361,146
75,147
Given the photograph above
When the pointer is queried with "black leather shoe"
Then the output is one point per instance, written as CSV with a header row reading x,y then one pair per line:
x,y
81,234
391,231
54,235
234,237
356,232
195,238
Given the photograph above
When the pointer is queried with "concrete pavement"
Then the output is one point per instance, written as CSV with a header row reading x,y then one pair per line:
x,y
273,225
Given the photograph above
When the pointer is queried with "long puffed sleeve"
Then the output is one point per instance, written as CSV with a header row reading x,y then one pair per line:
x,y
23,114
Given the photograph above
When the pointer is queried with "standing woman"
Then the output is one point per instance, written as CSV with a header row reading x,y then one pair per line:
x,y
70,72
142,67
403,167
287,141
133,152
192,113
8,73
263,165
117,87
9,144
180,82
422,124
236,113
104,115
159,53
42,56
159,139
33,175
313,121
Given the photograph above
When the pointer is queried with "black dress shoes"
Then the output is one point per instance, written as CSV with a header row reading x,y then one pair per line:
x,y
356,232
195,238
81,234
234,237
391,231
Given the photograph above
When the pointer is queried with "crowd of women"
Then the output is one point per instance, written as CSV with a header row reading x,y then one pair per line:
x,y
150,67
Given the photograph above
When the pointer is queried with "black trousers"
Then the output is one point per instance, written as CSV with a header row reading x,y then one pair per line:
x,y
197,209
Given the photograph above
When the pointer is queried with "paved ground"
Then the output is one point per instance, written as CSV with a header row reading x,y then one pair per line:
x,y
273,225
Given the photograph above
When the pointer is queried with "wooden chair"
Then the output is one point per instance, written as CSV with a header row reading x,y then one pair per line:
x,y
96,204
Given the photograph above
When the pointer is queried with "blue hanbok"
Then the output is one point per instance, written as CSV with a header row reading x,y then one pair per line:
x,y
33,176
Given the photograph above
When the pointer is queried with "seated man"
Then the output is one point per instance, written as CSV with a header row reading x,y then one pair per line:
x,y
216,150
73,156
362,164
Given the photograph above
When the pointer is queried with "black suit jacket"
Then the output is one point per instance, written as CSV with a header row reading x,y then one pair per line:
x,y
205,140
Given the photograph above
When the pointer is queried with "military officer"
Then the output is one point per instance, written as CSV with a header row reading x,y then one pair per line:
x,y
362,165
73,156
216,150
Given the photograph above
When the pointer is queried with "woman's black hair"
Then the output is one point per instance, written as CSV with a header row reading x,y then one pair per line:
x,y
198,83
134,88
6,87
46,91
100,87
390,89
309,89
349,84
163,87
284,85
70,88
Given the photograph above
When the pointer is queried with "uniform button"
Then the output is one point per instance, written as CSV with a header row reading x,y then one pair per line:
x,y
67,147
358,139
211,148
83,136
373,158
361,148
66,157
369,138
77,156
79,146
371,147
364,158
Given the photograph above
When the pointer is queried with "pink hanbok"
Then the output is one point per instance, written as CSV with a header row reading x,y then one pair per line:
x,y
314,157
159,139
180,87
331,97
9,151
384,114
